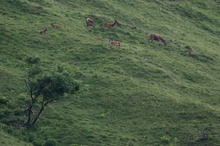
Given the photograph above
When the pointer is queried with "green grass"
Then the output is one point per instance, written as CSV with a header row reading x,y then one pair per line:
x,y
8,140
139,94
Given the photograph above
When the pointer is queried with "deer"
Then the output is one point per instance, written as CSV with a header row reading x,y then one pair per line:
x,y
156,37
55,25
114,43
109,25
90,22
43,32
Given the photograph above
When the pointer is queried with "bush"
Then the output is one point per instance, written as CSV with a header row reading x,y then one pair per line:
x,y
37,143
50,142
188,47
165,139
3,100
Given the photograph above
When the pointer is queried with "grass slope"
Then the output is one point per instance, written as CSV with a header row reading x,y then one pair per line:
x,y
8,140
139,94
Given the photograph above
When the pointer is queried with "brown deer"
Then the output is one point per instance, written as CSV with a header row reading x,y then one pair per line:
x,y
109,25
156,37
43,32
90,22
55,25
114,43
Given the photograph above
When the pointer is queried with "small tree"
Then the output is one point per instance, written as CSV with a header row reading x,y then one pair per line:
x,y
43,88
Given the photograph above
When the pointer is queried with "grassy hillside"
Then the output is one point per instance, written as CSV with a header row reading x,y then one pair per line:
x,y
142,93
8,140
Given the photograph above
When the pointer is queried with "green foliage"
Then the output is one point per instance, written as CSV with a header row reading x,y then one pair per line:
x,y
44,88
3,100
32,60
50,142
165,139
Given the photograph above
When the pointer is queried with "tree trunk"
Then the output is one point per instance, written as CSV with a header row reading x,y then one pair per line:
x,y
29,110
38,115
29,114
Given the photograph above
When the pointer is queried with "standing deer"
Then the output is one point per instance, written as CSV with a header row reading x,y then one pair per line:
x,y
156,37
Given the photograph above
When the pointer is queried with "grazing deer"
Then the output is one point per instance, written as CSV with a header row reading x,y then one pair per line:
x,y
54,25
156,37
43,32
90,22
109,25
114,43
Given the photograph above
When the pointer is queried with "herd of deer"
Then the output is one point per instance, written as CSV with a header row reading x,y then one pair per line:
x,y
53,25
90,23
152,37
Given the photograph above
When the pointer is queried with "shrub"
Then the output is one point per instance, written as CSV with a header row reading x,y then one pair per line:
x,y
50,142
188,47
3,100
37,143
165,139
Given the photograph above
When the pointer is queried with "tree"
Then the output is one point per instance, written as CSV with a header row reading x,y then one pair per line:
x,y
44,88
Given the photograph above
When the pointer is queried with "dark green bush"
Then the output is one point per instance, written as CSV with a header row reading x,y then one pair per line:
x,y
37,143
50,142
3,100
